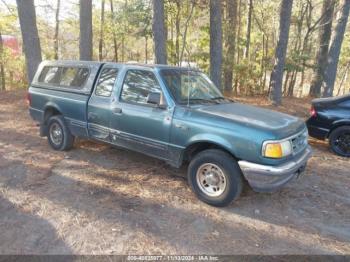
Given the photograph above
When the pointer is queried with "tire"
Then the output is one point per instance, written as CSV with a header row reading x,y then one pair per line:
x,y
62,139
207,171
339,140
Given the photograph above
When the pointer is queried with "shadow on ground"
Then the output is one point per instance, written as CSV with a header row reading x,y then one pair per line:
x,y
99,200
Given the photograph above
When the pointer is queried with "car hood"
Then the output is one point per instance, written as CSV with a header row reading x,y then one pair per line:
x,y
279,124
329,101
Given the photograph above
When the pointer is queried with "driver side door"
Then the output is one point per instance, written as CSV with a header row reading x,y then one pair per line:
x,y
136,124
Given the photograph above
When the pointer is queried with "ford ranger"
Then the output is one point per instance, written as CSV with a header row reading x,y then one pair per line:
x,y
174,114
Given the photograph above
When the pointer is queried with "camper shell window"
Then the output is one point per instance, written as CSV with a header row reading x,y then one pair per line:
x,y
64,76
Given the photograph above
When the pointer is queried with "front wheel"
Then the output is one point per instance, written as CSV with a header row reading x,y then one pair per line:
x,y
339,141
215,177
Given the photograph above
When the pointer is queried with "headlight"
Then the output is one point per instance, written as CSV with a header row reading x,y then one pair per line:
x,y
273,149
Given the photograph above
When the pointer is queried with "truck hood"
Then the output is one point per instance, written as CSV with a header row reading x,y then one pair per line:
x,y
279,124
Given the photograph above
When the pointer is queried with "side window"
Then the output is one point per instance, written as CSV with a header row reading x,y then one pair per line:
x,y
68,74
81,77
106,82
74,77
50,75
137,85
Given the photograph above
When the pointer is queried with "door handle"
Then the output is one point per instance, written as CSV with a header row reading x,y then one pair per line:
x,y
117,110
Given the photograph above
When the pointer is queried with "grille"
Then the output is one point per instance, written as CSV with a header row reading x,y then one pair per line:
x,y
299,142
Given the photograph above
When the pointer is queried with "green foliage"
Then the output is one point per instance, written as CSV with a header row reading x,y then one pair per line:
x,y
15,73
131,26
248,75
200,53
14,65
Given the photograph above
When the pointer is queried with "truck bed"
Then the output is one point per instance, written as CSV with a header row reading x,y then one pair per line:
x,y
71,102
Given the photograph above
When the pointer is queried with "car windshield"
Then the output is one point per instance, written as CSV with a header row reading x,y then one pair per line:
x,y
190,86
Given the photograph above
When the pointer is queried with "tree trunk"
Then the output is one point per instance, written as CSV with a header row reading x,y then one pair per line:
x,y
265,61
57,28
123,48
2,69
230,43
171,47
262,64
215,42
85,44
30,36
249,25
184,36
298,49
126,29
345,74
237,43
280,53
115,45
292,83
159,32
146,49
286,83
102,21
177,27
335,47
308,17
324,39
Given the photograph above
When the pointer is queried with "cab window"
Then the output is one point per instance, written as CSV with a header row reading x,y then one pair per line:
x,y
106,82
138,84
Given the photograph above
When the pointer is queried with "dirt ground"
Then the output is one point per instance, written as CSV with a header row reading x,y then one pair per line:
x,y
96,199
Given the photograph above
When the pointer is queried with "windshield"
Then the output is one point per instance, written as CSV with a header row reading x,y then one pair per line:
x,y
189,86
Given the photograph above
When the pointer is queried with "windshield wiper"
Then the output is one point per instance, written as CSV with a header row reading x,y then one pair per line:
x,y
202,100
221,98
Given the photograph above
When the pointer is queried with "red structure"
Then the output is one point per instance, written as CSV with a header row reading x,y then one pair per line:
x,y
11,42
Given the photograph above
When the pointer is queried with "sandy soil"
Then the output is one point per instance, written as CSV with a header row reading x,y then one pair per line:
x,y
99,200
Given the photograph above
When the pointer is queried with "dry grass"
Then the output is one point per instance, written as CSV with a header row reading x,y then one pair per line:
x,y
99,200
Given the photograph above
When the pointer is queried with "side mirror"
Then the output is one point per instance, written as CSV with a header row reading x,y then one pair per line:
x,y
154,98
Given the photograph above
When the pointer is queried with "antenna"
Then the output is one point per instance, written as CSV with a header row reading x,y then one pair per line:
x,y
189,89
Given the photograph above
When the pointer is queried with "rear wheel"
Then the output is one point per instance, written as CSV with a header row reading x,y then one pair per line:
x,y
59,136
339,141
215,177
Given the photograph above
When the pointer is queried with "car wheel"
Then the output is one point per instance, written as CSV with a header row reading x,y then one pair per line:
x,y
59,136
215,177
339,140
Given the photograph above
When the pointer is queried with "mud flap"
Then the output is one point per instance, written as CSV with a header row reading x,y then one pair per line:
x,y
43,130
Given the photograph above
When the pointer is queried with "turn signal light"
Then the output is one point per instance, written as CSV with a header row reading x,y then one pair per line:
x,y
277,149
273,150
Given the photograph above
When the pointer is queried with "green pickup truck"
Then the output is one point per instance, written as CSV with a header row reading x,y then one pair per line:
x,y
174,114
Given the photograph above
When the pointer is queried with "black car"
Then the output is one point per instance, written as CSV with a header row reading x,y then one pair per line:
x,y
330,119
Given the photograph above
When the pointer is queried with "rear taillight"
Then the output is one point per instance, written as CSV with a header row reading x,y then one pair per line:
x,y
313,112
29,99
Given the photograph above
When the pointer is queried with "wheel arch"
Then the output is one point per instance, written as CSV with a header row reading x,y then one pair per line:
x,y
196,147
49,111
337,124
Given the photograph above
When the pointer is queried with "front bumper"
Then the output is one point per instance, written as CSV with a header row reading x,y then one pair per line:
x,y
264,178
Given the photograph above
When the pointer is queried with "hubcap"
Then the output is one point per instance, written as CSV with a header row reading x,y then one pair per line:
x,y
56,134
211,179
343,143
